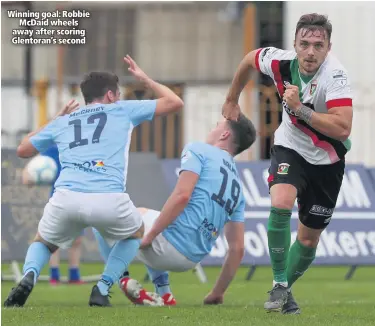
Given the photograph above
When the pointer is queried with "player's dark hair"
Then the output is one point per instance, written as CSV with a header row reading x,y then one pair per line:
x,y
244,133
96,84
313,22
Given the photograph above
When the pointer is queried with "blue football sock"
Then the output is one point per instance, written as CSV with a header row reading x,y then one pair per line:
x,y
74,274
104,248
160,280
37,257
122,254
54,273
105,284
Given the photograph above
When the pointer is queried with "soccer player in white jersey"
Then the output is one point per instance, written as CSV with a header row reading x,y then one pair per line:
x,y
207,199
93,142
308,156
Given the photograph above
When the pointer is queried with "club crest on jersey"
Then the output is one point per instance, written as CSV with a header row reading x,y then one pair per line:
x,y
313,87
283,168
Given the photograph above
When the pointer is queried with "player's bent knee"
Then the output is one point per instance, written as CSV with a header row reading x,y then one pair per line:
x,y
283,196
307,236
309,243
51,247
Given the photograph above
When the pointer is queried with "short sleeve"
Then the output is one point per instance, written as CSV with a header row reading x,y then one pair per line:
x,y
338,91
266,59
239,213
139,111
45,138
191,159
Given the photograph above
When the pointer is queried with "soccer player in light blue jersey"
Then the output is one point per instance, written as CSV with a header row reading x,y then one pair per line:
x,y
206,201
93,142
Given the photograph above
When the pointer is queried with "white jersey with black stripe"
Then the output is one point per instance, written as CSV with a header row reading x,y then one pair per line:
x,y
330,87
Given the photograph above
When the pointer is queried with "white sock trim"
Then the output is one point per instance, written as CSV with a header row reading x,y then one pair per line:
x,y
284,284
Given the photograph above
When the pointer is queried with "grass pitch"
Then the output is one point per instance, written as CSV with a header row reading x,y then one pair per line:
x,y
323,295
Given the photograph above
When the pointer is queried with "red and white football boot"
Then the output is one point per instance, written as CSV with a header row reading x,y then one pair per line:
x,y
138,295
169,299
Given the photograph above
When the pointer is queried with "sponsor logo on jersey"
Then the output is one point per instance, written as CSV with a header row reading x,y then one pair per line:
x,y
287,109
208,230
283,168
285,105
97,163
93,166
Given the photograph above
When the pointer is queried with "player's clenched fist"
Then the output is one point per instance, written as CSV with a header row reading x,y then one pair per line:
x,y
291,97
231,110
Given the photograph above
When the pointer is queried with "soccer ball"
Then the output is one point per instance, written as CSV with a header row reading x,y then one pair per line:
x,y
41,170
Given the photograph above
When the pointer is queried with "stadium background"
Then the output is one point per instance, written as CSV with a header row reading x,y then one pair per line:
x,y
193,47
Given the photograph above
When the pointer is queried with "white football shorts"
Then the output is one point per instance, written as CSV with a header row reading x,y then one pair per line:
x,y
68,212
161,255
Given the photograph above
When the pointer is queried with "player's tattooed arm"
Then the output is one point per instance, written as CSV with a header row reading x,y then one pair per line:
x,y
305,113
336,124
175,204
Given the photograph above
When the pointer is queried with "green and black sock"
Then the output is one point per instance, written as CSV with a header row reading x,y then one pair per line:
x,y
299,259
279,242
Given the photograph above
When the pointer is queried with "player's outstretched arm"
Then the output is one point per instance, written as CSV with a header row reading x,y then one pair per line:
x,y
231,108
26,149
167,101
173,207
234,233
